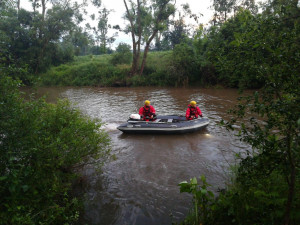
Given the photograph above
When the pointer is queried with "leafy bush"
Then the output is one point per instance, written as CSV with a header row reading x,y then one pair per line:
x,y
202,199
183,65
87,71
40,146
263,53
258,196
123,54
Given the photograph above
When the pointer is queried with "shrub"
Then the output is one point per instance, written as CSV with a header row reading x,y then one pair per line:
x,y
123,54
40,146
183,66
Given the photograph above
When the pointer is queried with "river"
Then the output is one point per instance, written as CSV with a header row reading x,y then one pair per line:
x,y
141,185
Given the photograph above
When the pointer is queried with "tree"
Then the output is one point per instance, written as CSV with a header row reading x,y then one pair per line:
x,y
247,4
261,49
146,19
183,65
102,30
5,4
274,127
177,30
235,64
31,39
178,33
81,40
123,54
222,9
57,21
40,3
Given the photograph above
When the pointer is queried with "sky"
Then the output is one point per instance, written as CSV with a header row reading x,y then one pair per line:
x,y
115,18
197,6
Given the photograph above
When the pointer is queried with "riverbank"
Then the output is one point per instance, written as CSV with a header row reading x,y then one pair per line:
x,y
163,69
99,71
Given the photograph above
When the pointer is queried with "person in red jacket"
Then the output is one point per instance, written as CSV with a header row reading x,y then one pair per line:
x,y
193,111
147,112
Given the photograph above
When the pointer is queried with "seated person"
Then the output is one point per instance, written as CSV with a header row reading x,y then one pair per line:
x,y
147,112
193,111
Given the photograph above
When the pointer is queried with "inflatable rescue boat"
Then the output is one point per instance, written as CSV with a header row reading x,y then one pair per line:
x,y
168,124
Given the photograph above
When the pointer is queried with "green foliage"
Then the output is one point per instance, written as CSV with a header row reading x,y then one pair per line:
x,y
222,9
237,65
87,71
262,51
276,140
34,41
243,49
98,71
184,65
178,34
80,41
258,196
101,30
146,19
202,199
123,54
156,72
41,145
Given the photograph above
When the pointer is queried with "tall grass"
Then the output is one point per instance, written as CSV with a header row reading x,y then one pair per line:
x,y
99,71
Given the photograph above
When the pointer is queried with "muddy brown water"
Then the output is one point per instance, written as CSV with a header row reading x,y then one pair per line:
x,y
141,185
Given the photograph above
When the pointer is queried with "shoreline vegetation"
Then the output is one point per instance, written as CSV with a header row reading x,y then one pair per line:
x,y
99,71
161,70
42,146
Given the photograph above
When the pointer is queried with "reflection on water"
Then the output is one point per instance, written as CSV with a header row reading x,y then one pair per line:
x,y
141,185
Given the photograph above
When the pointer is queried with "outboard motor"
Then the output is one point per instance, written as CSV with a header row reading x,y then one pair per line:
x,y
134,117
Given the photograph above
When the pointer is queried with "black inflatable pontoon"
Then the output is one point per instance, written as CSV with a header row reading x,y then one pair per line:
x,y
169,124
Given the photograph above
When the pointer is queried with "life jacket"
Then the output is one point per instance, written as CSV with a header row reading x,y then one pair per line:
x,y
147,111
193,111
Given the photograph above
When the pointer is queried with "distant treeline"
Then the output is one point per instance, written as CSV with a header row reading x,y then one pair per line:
x,y
232,52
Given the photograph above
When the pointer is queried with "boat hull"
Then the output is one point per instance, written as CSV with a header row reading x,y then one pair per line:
x,y
171,124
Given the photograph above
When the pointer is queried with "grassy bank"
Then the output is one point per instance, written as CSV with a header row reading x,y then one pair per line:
x,y
99,71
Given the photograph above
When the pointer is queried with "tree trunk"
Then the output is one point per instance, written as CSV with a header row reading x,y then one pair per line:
x,y
134,60
144,59
18,5
146,52
41,55
139,35
291,183
135,56
150,40
43,8
34,6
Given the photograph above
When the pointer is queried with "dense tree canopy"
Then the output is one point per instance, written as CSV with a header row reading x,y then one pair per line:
x,y
260,51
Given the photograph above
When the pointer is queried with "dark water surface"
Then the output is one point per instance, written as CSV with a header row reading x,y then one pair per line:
x,y
141,185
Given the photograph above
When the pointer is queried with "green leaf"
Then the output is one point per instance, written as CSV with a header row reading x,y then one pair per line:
x,y
203,191
185,187
25,188
194,181
3,178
